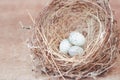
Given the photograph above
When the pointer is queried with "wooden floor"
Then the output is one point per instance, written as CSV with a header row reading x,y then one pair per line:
x,y
15,62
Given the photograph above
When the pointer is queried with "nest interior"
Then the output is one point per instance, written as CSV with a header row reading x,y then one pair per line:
x,y
94,19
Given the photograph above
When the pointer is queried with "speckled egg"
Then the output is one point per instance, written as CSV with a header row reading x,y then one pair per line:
x,y
75,50
77,38
64,46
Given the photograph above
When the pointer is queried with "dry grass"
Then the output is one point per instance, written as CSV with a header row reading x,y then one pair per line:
x,y
93,18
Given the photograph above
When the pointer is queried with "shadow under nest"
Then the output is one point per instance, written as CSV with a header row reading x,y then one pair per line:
x,y
94,19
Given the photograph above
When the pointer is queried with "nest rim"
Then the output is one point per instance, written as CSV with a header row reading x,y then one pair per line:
x,y
108,36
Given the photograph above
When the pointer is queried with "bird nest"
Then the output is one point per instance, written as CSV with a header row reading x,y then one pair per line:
x,y
94,19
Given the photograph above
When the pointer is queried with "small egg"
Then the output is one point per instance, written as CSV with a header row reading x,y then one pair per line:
x,y
77,38
64,46
75,50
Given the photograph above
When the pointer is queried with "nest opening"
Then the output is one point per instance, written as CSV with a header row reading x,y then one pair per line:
x,y
94,20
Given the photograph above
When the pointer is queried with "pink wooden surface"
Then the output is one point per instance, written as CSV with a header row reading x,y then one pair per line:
x,y
15,62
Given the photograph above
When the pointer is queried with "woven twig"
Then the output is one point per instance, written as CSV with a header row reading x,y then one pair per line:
x,y
93,18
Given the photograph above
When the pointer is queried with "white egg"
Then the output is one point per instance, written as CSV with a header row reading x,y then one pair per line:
x,y
77,38
76,50
64,46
